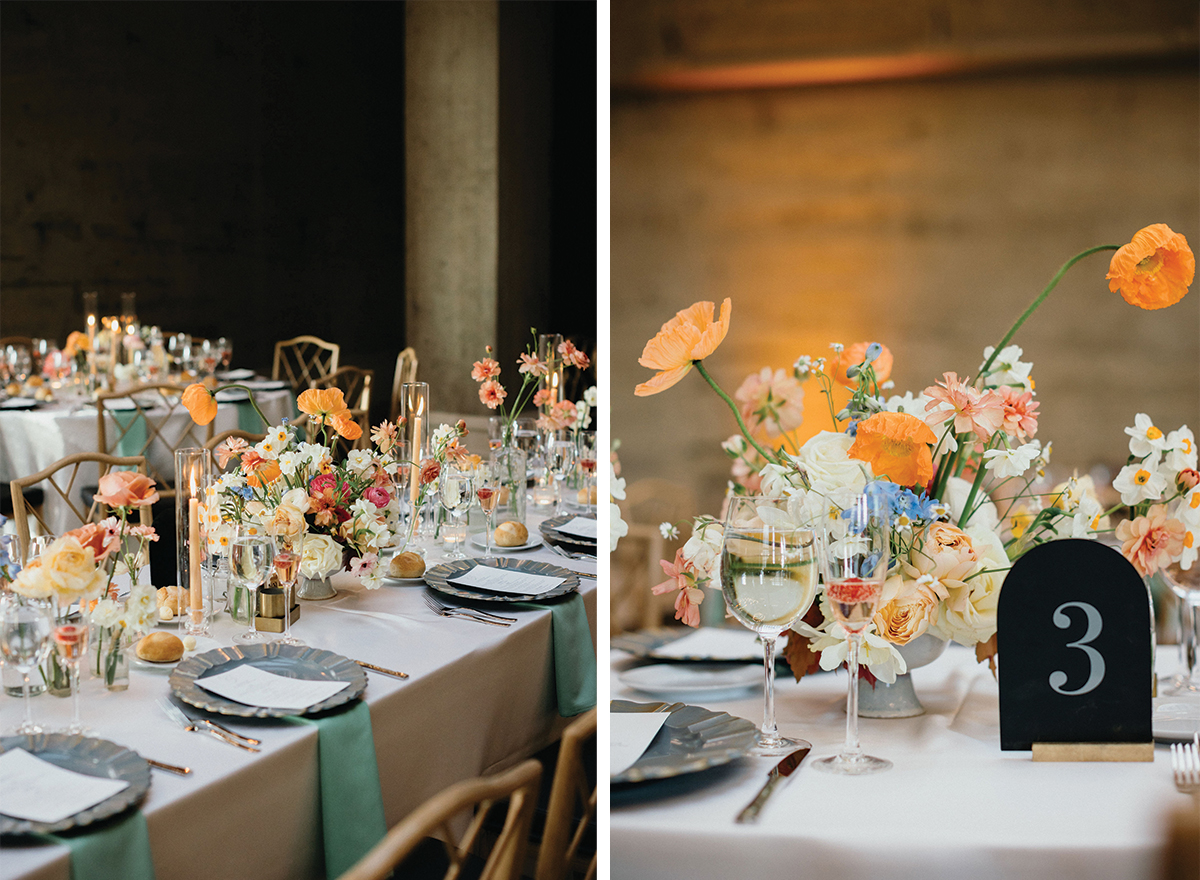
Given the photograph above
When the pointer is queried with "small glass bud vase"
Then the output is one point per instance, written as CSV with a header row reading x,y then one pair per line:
x,y
108,659
511,462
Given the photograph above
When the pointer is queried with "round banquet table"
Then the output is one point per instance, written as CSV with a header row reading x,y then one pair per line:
x,y
479,699
953,805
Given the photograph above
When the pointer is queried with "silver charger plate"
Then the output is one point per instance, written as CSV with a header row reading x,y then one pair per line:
x,y
291,661
690,680
549,530
692,739
1175,719
645,644
87,755
439,576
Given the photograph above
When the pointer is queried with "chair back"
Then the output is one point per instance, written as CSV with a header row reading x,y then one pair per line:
x,y
406,372
519,786
355,385
66,485
304,359
159,411
571,811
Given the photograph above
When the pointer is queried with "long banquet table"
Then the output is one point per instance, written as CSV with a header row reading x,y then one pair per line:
x,y
478,699
953,805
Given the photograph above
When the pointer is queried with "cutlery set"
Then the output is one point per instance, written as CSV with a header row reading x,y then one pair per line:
x,y
203,725
444,610
1185,765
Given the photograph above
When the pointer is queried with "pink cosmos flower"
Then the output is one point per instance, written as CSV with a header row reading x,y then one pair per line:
x,y
774,401
232,447
971,409
1152,541
487,368
572,356
1020,412
378,497
365,564
384,436
681,576
492,393
531,364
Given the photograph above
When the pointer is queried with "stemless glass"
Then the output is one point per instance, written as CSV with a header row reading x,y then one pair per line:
x,y
25,627
487,490
560,461
769,579
854,565
455,492
250,565
288,550
70,641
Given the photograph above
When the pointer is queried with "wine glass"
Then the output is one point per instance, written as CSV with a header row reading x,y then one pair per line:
x,y
288,549
70,641
25,627
769,579
454,490
1186,587
487,490
250,558
585,454
560,460
37,546
854,564
225,350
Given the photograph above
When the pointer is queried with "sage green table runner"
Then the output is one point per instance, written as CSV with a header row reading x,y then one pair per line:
x,y
133,424
115,849
574,653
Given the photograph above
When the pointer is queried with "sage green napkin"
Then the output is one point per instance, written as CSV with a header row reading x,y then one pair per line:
x,y
351,800
133,442
574,653
248,419
116,849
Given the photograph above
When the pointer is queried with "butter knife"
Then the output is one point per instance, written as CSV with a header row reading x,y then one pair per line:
x,y
775,779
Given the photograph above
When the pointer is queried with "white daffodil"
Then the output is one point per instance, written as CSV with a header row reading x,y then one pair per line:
x,y
1006,463
1180,450
289,462
1144,438
268,448
616,487
1139,482
1008,368
913,404
106,613
590,396
1088,516
141,608
359,460
280,436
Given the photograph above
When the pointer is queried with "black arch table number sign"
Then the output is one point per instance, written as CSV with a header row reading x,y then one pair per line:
x,y
1075,650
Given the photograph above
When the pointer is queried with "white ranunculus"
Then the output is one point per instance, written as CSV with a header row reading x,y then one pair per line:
x,y
824,458
297,498
106,613
1008,368
969,614
141,608
321,556
359,460
702,553
289,462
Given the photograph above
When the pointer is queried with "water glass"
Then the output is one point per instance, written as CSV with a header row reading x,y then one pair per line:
x,y
25,628
250,557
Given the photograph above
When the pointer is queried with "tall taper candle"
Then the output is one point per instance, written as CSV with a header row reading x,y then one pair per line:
x,y
195,588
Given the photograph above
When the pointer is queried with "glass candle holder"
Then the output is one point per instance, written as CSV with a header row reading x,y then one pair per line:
x,y
193,470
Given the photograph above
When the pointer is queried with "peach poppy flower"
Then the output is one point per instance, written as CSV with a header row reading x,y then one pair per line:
x,y
345,425
201,403
267,471
692,335
321,403
852,356
1154,270
126,489
1152,541
896,445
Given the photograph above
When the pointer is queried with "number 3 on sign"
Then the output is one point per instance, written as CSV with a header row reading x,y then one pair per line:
x,y
1096,660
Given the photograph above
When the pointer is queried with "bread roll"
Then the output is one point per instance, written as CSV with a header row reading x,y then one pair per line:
x,y
586,496
510,534
406,565
175,598
160,647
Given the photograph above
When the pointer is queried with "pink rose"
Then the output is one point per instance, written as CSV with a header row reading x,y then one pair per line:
x,y
126,489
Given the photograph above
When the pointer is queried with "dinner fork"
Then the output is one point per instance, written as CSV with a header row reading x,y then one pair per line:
x,y
479,611
569,554
1185,764
448,611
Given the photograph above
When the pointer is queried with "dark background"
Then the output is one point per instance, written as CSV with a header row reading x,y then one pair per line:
x,y
240,166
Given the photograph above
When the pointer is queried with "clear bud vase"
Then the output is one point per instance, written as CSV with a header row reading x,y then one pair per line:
x,y
108,660
511,463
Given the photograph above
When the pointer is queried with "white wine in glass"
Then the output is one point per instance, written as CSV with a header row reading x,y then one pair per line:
x,y
769,580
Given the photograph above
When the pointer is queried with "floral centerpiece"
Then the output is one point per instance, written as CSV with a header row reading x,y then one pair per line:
x,y
957,462
555,414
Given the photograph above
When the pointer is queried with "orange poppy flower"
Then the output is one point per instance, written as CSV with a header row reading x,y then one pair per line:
x,y
201,403
692,335
321,402
896,445
345,425
1154,270
266,472
852,356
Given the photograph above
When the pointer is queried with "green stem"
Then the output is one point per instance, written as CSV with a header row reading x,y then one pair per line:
x,y
1042,296
966,514
253,402
733,407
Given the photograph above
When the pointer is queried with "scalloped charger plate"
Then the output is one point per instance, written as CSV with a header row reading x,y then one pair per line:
x,y
692,739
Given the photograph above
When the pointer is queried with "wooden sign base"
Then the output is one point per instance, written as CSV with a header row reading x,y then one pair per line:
x,y
1093,751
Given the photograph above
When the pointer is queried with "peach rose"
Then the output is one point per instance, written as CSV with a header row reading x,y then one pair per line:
x,y
126,489
909,615
949,547
285,520
96,538
66,570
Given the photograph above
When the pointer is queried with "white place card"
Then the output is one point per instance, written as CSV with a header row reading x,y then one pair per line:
x,y
713,643
579,525
506,580
630,734
256,687
39,791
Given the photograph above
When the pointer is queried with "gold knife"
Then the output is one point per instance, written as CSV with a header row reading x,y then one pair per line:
x,y
775,778
372,666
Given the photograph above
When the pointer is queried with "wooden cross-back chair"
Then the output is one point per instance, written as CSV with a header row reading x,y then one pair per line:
x,y
571,812
406,372
64,486
519,786
355,385
168,427
303,360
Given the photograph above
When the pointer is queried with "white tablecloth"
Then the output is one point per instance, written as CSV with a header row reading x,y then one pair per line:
x,y
33,440
953,806
479,698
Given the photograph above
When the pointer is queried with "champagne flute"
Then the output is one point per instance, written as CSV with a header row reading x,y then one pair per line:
x,y
70,641
586,456
487,490
560,460
769,579
854,564
250,557
25,627
288,550
454,490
